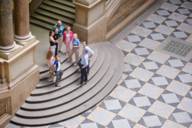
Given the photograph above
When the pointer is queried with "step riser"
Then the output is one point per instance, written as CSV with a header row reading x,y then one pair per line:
x,y
93,94
73,91
78,102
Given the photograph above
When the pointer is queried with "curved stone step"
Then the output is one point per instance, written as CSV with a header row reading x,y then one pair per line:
x,y
45,69
66,89
73,99
95,66
69,93
109,86
64,67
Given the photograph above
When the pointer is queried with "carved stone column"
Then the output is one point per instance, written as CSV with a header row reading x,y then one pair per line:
x,y
90,20
22,27
6,25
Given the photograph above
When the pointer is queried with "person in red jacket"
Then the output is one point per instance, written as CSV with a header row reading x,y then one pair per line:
x,y
67,39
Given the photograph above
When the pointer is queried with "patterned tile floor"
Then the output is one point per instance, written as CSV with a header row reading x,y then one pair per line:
x,y
156,88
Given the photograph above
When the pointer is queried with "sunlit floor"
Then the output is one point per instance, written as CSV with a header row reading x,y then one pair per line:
x,y
156,87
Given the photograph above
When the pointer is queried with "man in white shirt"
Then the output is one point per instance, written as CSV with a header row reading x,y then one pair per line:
x,y
85,61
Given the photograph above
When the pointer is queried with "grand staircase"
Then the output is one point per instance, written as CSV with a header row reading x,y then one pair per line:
x,y
50,11
49,104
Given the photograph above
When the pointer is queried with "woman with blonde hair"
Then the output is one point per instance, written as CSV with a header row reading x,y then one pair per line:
x,y
50,61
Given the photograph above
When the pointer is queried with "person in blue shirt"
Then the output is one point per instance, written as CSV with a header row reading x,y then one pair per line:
x,y
76,46
61,27
58,71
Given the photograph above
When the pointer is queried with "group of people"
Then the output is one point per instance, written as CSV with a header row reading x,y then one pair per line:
x,y
58,36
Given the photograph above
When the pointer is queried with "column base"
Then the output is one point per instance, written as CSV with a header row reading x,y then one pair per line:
x,y
25,40
7,48
95,32
19,75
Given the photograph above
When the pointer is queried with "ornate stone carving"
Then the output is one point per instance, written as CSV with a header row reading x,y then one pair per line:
x,y
5,106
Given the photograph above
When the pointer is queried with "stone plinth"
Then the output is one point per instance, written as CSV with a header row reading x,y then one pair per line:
x,y
18,77
90,20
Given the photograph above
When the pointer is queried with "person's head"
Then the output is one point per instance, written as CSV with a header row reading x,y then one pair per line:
x,y
84,43
68,28
56,31
59,22
75,35
57,58
49,55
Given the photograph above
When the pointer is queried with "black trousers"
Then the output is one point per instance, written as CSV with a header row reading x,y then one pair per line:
x,y
58,76
84,74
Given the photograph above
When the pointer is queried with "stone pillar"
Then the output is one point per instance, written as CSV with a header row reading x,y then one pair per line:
x,y
90,20
22,27
6,25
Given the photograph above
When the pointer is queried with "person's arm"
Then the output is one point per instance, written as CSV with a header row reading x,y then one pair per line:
x,y
86,61
91,52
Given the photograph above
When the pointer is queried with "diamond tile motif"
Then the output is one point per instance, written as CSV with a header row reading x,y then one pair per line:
x,y
143,32
123,93
176,2
171,23
155,90
185,78
149,43
171,124
141,51
158,57
178,88
121,123
169,7
134,38
188,68
149,24
152,121
157,36
185,105
89,125
170,98
164,29
179,34
132,84
125,45
151,91
132,113
176,63
112,104
183,11
150,65
73,123
138,73
168,71
156,18
133,59
177,17
187,5
142,101
185,27
182,117
160,81
101,116
161,109
162,12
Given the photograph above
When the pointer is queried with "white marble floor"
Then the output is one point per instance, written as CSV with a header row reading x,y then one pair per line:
x,y
156,88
